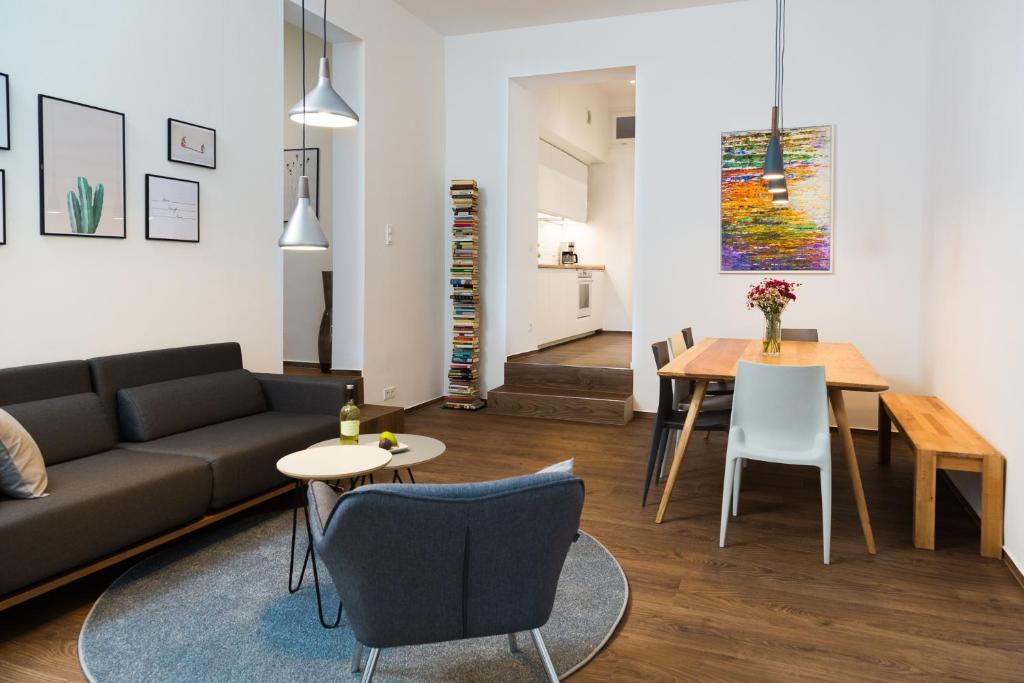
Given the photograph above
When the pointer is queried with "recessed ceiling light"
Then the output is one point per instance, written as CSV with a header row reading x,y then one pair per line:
x,y
632,81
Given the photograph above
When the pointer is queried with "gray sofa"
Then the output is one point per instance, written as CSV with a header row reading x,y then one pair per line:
x,y
143,443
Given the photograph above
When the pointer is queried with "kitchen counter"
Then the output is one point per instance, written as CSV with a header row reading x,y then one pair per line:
x,y
571,266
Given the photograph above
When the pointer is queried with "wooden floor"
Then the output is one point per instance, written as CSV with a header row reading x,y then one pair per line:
x,y
763,609
602,350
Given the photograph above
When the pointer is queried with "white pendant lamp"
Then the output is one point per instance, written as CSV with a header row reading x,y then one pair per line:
x,y
322,106
774,166
303,232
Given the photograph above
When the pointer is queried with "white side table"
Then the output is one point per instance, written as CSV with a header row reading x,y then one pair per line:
x,y
422,449
325,463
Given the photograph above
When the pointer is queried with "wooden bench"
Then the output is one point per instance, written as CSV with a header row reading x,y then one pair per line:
x,y
940,439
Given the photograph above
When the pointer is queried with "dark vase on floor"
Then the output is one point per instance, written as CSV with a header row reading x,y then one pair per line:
x,y
324,339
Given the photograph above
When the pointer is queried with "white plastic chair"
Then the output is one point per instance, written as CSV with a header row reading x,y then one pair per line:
x,y
779,414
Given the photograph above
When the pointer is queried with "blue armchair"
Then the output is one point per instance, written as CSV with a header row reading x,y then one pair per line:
x,y
425,564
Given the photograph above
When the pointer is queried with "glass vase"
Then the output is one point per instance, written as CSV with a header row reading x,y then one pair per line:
x,y
771,344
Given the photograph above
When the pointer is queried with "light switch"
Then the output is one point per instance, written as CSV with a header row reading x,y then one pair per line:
x,y
389,235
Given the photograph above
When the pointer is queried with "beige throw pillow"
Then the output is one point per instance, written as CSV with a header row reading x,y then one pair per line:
x,y
22,470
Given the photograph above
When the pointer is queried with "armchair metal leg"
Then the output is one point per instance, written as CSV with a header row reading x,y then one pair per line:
x,y
357,657
371,665
545,659
513,646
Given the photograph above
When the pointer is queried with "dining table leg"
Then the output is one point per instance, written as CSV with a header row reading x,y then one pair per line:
x,y
684,438
835,396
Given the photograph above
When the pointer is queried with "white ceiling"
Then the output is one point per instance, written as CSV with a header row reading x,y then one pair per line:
x,y
453,17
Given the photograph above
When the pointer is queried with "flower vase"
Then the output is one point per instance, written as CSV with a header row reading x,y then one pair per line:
x,y
771,345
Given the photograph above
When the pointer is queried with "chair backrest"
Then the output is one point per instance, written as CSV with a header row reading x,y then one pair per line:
x,y
780,406
670,393
676,345
417,564
688,337
797,334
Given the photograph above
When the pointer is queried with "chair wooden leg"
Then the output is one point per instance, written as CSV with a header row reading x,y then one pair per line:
x,y
835,396
684,439
884,434
992,506
652,457
924,501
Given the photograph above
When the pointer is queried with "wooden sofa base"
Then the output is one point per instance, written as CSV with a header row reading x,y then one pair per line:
x,y
12,599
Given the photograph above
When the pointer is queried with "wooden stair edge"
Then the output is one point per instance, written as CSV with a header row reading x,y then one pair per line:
x,y
604,408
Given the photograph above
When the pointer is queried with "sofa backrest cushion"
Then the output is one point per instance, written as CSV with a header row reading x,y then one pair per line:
x,y
178,405
111,373
66,427
36,382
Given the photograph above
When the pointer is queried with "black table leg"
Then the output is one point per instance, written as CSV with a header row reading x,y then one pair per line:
x,y
411,478
310,558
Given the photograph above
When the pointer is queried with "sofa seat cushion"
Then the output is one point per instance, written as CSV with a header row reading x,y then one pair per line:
x,y
97,505
243,453
163,408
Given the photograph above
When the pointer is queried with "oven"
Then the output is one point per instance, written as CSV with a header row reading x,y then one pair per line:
x,y
585,282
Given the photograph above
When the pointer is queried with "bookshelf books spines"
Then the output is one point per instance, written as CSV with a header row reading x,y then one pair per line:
x,y
464,278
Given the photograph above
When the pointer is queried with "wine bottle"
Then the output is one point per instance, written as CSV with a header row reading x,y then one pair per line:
x,y
349,419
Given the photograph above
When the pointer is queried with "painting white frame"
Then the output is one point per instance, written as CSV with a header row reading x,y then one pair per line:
x,y
832,209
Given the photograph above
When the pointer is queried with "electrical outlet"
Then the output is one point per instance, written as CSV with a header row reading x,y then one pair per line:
x,y
389,393
389,235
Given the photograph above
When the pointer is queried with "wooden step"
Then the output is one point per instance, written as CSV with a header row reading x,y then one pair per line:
x,y
577,405
550,376
374,418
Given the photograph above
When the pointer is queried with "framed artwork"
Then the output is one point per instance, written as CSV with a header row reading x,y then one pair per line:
x,y
188,143
760,237
292,172
3,207
5,112
172,209
81,170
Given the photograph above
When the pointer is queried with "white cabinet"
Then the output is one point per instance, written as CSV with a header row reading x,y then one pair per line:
x,y
558,304
561,184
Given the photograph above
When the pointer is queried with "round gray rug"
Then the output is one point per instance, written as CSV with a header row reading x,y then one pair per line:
x,y
216,608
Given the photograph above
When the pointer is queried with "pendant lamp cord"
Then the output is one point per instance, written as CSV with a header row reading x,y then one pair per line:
x,y
325,28
302,59
780,53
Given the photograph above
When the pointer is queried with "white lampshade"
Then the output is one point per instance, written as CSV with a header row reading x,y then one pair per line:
x,y
323,106
303,231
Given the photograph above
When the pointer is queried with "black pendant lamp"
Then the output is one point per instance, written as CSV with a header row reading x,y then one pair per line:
x,y
774,167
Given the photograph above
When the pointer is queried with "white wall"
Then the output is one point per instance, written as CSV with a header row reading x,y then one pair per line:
x,y
303,285
974,331
563,120
699,72
75,297
610,218
390,171
524,165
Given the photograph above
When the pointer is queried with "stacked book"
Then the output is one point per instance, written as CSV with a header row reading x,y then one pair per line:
x,y
463,374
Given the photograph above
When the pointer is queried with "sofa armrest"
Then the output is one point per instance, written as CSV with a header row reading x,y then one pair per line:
x,y
311,395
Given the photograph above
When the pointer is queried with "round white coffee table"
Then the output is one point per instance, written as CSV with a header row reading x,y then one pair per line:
x,y
326,463
422,449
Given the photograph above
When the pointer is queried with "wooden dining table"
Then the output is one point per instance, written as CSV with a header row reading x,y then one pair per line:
x,y
714,360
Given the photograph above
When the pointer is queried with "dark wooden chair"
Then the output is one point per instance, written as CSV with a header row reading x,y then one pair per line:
x,y
714,415
797,334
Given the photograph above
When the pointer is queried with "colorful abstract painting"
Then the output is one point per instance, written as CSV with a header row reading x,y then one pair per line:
x,y
758,236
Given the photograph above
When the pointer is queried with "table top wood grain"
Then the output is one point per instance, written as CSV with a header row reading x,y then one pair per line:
x,y
716,359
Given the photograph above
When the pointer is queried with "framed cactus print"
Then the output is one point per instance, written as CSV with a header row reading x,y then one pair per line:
x,y
189,143
81,170
172,209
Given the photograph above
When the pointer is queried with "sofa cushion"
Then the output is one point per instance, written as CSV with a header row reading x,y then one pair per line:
x,y
178,405
22,471
36,382
66,427
98,505
110,373
243,453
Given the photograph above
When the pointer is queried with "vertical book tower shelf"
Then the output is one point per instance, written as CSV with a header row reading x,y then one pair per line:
x,y
463,374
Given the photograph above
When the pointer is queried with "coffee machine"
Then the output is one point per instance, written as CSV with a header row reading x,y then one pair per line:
x,y
567,253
